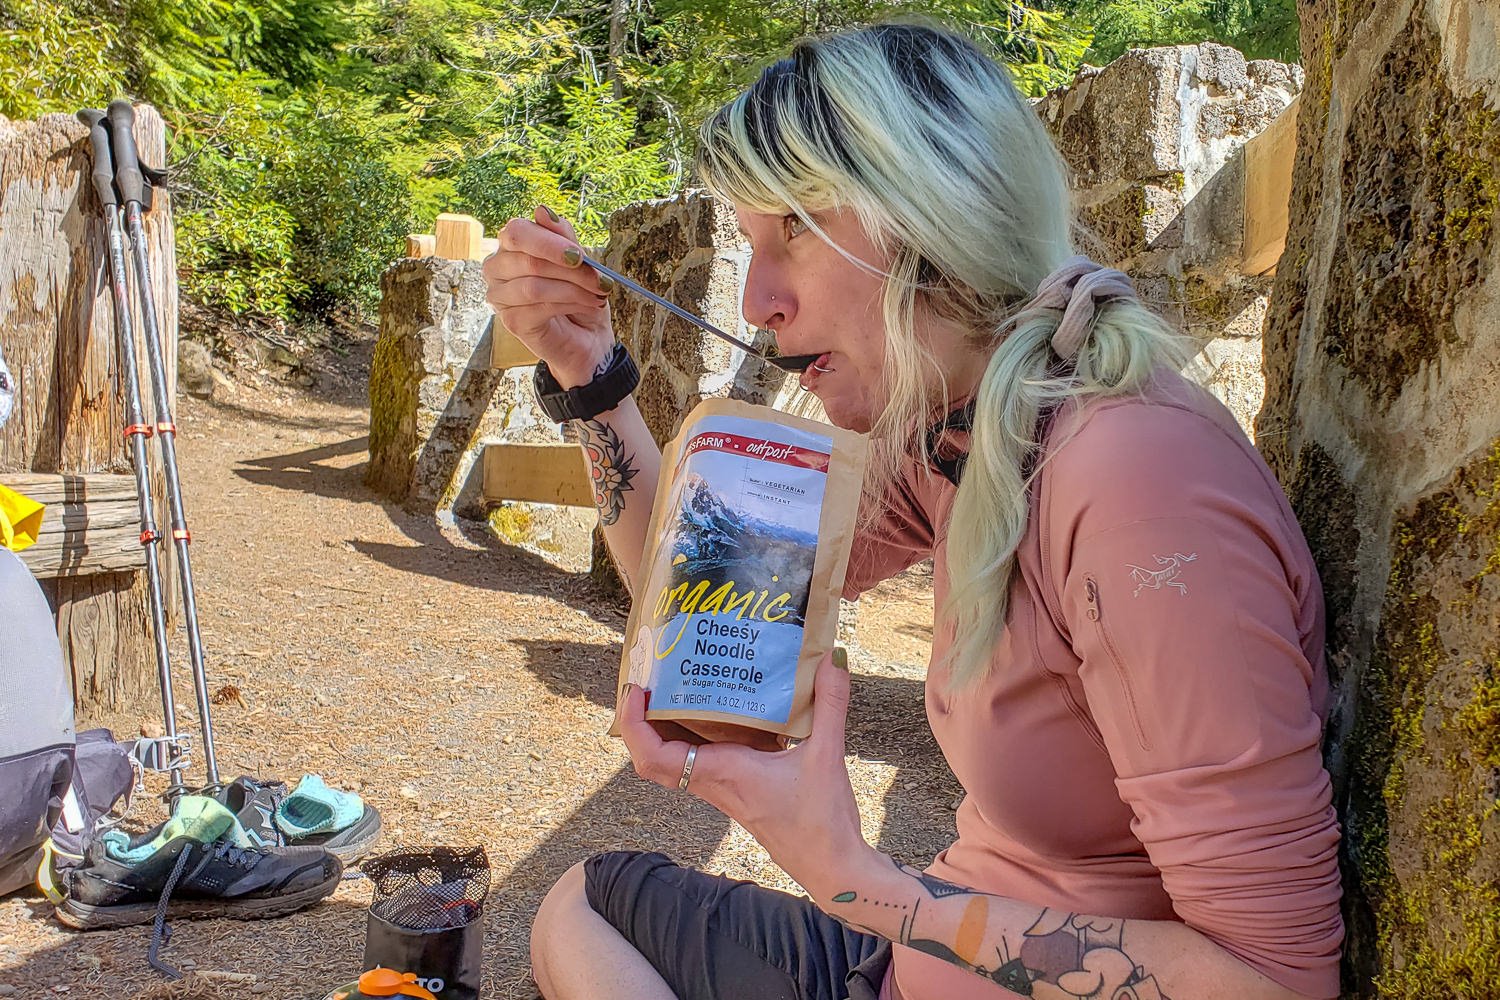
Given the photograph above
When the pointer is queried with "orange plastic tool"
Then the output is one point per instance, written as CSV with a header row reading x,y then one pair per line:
x,y
389,983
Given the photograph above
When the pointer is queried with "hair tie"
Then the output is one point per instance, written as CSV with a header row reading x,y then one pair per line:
x,y
1077,287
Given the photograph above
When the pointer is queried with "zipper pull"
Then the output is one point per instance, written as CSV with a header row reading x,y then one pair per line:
x,y
1091,589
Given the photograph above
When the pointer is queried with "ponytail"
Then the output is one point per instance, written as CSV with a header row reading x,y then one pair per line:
x,y
1025,383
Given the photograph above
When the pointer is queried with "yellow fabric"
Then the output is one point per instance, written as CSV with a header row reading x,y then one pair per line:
x,y
20,520
46,875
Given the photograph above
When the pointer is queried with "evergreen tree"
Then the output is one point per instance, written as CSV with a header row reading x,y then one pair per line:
x,y
308,135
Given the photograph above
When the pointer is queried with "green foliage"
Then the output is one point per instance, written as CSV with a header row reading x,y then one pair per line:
x,y
485,188
235,239
588,165
1042,48
53,60
309,135
351,207
1262,29
285,204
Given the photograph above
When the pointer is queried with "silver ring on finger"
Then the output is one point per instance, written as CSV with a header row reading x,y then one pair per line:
x,y
687,768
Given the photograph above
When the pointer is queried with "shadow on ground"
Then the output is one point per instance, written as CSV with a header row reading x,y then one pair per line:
x,y
467,552
304,955
310,952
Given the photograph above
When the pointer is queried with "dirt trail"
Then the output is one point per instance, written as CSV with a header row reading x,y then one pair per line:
x,y
462,685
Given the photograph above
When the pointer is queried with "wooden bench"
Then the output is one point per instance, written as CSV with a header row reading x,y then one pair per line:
x,y
537,473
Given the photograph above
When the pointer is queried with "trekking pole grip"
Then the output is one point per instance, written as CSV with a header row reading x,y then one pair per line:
x,y
127,162
103,173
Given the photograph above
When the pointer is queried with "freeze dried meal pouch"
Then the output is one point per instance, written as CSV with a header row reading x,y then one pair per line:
x,y
744,563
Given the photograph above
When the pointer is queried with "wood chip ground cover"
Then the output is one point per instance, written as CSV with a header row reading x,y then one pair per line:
x,y
461,684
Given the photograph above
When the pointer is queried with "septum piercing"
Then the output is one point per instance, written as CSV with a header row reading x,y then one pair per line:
x,y
819,368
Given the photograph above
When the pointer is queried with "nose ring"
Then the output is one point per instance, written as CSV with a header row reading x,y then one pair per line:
x,y
820,369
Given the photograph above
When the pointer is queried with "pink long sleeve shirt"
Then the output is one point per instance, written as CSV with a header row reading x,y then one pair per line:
x,y
1146,743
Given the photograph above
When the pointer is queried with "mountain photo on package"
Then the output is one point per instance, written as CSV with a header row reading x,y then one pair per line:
x,y
741,575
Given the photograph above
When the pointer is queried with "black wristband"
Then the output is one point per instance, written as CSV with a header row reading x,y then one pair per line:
x,y
585,402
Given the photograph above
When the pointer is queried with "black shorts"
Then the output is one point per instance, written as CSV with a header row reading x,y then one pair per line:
x,y
715,938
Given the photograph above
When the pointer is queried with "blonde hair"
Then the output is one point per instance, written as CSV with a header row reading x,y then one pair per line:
x,y
949,171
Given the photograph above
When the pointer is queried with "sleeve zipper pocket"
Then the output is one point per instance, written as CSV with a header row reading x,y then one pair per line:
x,y
1095,614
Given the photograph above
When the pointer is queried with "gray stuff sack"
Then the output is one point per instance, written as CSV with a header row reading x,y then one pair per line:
x,y
36,724
52,783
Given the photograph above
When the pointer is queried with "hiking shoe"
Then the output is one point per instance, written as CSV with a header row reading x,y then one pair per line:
x,y
273,816
212,880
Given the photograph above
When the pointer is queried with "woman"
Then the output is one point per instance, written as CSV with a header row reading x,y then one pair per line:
x,y
1127,670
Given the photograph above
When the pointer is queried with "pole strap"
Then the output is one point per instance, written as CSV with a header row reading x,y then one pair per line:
x,y
162,753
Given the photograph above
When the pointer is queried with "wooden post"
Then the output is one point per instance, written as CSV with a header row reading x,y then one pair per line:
x,y
58,335
459,237
1269,157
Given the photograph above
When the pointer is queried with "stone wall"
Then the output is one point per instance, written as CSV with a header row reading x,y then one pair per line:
x,y
435,403
1155,143
434,400
687,250
1382,418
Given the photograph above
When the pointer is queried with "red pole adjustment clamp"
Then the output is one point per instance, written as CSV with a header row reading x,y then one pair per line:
x,y
142,429
147,537
182,534
166,428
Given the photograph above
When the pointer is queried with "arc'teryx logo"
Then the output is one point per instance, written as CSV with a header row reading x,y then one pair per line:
x,y
1155,579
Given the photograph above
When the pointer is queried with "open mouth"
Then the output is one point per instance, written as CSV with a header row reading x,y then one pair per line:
x,y
818,366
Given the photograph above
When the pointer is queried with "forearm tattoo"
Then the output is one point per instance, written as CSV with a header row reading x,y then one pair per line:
x,y
610,468
1061,955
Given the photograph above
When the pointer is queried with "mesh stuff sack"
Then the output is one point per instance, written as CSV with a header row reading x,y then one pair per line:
x,y
425,917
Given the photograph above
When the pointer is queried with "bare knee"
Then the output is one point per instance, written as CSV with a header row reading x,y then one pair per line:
x,y
578,955
555,929
561,903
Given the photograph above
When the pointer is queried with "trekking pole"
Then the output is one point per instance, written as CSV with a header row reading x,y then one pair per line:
x,y
132,192
170,753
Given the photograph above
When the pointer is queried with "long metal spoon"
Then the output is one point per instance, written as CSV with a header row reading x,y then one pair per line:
x,y
791,363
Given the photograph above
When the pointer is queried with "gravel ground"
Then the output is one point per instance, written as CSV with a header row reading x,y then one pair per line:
x,y
462,685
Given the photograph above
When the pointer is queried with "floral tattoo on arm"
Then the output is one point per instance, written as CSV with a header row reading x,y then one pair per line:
x,y
1061,956
610,468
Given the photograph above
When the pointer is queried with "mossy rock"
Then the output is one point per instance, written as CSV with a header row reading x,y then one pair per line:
x,y
1423,824
1418,196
